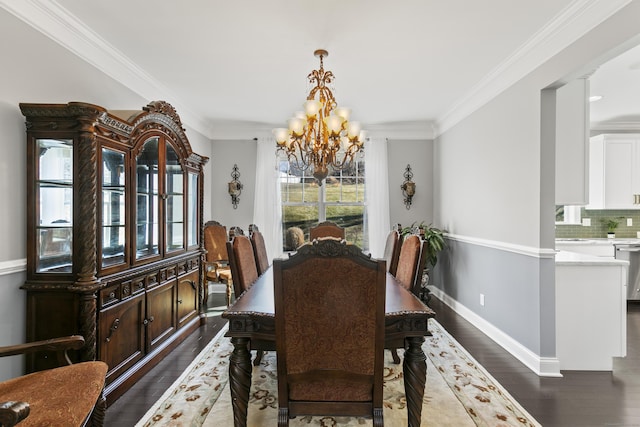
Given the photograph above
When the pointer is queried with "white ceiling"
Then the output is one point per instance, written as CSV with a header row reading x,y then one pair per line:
x,y
243,63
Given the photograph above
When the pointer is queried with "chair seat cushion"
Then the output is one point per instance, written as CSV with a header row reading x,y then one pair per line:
x,y
57,397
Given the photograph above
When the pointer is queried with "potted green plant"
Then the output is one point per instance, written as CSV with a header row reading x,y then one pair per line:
x,y
611,224
434,243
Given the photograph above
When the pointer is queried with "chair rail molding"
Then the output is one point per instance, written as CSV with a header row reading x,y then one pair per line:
x,y
13,266
505,246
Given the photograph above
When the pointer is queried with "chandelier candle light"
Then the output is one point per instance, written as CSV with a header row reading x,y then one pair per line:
x,y
322,136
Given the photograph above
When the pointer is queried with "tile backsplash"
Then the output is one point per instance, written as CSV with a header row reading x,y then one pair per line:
x,y
597,228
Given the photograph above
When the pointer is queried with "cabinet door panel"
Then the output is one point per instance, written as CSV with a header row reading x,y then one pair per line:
x,y
161,313
121,335
619,177
187,297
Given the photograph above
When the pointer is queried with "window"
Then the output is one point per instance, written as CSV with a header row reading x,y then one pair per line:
x,y
340,199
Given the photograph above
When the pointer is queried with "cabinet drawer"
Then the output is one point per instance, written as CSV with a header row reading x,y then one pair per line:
x,y
168,273
109,295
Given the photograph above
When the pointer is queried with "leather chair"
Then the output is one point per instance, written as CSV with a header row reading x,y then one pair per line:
x,y
259,249
217,260
326,229
242,262
392,251
411,263
243,269
71,395
329,312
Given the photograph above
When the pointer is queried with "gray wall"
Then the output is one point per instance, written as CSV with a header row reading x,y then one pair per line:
x,y
224,155
35,69
418,153
497,198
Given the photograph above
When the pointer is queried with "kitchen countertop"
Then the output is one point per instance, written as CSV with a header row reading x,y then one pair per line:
x,y
575,258
597,241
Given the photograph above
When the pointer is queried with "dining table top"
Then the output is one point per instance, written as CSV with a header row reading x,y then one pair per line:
x,y
258,300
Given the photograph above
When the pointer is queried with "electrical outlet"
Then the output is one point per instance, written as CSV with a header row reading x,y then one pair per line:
x,y
586,222
482,299
629,222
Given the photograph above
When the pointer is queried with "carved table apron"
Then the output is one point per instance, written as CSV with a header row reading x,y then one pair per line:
x,y
252,327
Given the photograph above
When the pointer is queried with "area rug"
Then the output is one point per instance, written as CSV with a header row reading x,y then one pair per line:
x,y
459,392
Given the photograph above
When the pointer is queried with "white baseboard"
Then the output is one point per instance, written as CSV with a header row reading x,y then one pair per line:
x,y
542,366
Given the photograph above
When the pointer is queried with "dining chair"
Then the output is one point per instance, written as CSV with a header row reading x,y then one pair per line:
x,y
243,269
329,312
411,263
392,250
242,262
217,259
326,229
259,249
69,395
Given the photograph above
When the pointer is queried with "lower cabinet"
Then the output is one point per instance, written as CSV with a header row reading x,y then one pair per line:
x,y
122,335
140,317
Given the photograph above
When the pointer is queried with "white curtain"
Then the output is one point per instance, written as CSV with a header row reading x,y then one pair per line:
x,y
377,194
267,212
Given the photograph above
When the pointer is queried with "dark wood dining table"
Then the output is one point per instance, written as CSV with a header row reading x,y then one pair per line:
x,y
252,327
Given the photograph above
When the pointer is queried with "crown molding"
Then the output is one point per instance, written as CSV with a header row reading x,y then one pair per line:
x,y
573,22
55,22
52,20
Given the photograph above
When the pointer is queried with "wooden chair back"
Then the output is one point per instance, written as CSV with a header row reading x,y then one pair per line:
x,y
326,229
259,249
411,262
242,262
215,242
392,250
329,308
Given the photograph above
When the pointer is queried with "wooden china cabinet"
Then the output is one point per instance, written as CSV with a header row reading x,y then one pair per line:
x,y
114,238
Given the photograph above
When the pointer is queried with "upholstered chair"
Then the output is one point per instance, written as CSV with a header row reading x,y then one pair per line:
x,y
217,260
242,262
329,306
411,263
326,229
392,251
259,249
244,269
71,395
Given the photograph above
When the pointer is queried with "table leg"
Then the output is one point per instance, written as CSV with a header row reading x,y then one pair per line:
x,y
415,377
240,380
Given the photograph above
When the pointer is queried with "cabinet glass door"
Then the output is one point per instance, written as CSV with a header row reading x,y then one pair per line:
x,y
192,210
174,201
113,207
147,200
54,194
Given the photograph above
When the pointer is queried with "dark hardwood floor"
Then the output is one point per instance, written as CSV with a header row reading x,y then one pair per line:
x,y
579,399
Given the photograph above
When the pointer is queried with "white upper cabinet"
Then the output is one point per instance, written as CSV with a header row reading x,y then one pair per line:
x,y
614,172
572,143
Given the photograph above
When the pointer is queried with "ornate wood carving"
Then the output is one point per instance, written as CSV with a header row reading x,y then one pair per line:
x,y
80,288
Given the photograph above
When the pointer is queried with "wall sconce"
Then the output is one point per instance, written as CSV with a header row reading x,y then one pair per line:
x,y
408,187
235,187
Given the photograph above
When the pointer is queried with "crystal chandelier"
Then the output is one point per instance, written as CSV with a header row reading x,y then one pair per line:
x,y
322,136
